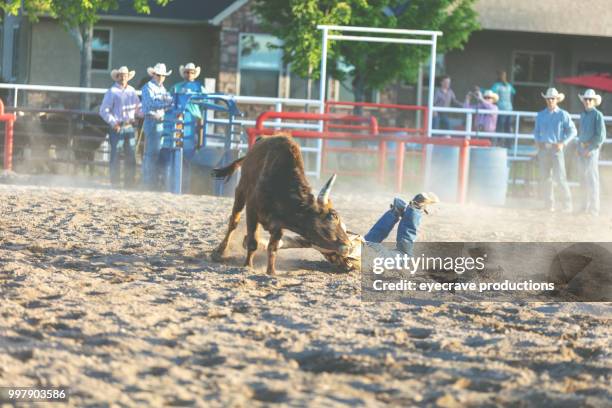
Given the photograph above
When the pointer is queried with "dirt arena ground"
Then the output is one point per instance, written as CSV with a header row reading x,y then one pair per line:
x,y
113,294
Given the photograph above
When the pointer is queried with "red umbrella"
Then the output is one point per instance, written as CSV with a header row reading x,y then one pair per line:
x,y
603,82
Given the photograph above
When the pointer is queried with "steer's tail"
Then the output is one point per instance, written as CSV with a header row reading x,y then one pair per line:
x,y
227,171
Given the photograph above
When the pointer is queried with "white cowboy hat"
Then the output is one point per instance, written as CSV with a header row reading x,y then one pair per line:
x,y
123,70
590,94
190,66
159,69
490,94
553,93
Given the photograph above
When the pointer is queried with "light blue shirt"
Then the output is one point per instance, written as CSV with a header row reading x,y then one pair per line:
x,y
592,129
155,99
119,105
554,127
506,91
190,87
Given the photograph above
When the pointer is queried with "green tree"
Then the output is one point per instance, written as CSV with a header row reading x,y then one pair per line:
x,y
373,65
78,18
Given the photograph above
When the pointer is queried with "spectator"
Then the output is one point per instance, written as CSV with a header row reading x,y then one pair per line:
x,y
554,129
506,92
155,101
590,138
444,97
119,109
193,132
485,122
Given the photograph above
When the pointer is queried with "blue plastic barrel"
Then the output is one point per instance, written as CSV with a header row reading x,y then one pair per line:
x,y
443,165
488,177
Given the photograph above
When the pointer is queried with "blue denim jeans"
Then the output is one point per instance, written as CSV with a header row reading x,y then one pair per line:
x,y
124,140
504,123
589,181
150,163
440,121
406,230
552,166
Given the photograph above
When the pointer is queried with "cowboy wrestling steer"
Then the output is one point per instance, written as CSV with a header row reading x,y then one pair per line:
x,y
277,195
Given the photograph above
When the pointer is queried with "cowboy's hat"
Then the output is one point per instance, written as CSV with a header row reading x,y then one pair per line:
x,y
190,66
158,69
553,93
490,94
590,94
123,70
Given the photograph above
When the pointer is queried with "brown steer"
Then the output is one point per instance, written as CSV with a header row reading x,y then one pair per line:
x,y
277,195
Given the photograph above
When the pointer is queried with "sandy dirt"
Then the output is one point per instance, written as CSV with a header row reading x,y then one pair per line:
x,y
114,295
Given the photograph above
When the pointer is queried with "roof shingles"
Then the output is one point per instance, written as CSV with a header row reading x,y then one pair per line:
x,y
188,10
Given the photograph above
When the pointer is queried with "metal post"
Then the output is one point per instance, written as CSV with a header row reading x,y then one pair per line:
x,y
432,83
15,97
399,166
464,161
430,98
468,125
322,95
8,145
177,170
419,96
516,132
322,81
278,107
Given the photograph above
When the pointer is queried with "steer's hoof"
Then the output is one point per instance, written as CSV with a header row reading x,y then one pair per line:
x,y
217,255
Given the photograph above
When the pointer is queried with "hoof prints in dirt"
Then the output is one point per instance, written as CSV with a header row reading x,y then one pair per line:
x,y
115,294
331,362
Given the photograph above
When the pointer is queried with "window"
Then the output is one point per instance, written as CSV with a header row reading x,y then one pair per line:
x,y
100,49
260,63
298,87
532,73
530,68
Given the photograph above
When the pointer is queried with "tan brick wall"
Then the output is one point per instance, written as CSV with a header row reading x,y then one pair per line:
x,y
242,20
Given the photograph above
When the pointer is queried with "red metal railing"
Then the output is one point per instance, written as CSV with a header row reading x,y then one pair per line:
x,y
412,108
421,131
8,119
463,144
371,127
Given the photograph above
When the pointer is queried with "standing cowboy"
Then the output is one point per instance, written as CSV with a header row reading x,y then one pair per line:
x,y
155,101
193,137
119,109
554,129
590,138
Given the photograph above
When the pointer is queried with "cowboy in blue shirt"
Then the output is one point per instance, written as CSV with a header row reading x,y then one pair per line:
x,y
193,117
553,131
590,138
409,216
190,72
155,101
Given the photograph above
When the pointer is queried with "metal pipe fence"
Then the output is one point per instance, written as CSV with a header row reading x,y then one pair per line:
x,y
516,136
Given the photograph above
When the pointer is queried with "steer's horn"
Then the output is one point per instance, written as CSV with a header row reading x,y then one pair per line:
x,y
323,198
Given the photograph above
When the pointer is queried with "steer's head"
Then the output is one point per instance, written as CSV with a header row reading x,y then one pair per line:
x,y
328,234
